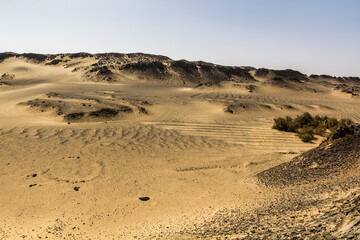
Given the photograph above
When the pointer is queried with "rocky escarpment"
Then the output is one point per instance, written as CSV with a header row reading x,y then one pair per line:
x,y
111,67
348,85
336,155
115,67
165,70
281,76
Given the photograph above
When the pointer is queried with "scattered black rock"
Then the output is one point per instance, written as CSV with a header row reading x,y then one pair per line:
x,y
250,88
54,62
292,218
32,175
101,70
344,130
229,109
74,116
142,110
348,88
7,55
76,188
156,68
32,185
105,113
144,199
314,76
35,57
288,107
282,78
6,78
80,55
327,76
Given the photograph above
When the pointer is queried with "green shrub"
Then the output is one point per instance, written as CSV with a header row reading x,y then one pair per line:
x,y
332,124
280,124
320,130
306,126
291,124
285,124
304,119
305,129
346,121
306,134
306,137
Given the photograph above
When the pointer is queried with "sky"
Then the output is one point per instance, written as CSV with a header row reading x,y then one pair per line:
x,y
312,36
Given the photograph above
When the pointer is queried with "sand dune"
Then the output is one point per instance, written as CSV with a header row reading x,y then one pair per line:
x,y
84,136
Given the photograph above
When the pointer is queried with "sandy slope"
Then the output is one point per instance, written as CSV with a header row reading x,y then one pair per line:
x,y
187,154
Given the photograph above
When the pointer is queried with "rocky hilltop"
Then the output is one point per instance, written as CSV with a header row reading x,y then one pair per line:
x,y
111,67
338,154
331,166
115,67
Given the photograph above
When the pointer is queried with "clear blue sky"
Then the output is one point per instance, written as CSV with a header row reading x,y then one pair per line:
x,y
313,36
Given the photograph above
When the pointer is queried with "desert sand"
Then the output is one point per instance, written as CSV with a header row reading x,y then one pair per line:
x,y
81,143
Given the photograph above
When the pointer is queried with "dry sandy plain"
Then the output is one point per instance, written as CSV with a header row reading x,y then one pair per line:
x,y
71,170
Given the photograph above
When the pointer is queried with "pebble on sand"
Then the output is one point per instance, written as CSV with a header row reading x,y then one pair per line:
x,y
144,199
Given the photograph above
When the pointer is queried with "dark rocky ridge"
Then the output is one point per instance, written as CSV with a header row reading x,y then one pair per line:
x,y
281,75
110,67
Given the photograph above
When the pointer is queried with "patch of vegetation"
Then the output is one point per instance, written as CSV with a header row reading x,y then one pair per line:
x,y
74,116
307,126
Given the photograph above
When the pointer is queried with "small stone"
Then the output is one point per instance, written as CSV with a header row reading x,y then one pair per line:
x,y
144,199
76,188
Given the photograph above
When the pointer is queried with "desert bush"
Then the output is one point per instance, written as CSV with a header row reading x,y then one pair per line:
x,y
320,130
285,124
306,126
280,124
332,124
306,133
304,119
346,121
306,137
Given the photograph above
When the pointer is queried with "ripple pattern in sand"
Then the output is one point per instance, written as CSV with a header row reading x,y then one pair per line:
x,y
258,137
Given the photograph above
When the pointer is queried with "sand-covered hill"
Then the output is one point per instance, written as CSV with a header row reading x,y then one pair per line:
x,y
117,67
125,146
